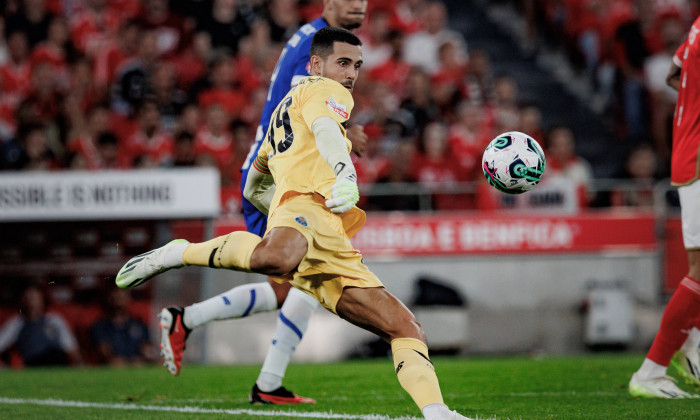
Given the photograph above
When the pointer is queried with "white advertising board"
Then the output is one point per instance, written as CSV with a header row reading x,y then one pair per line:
x,y
107,195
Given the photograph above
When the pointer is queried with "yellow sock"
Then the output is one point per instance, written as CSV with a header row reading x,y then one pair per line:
x,y
415,371
232,251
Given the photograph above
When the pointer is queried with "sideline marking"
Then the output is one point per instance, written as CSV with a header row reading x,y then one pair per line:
x,y
199,410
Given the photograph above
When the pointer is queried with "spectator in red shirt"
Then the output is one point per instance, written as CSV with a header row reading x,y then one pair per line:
x,y
421,48
56,49
214,143
172,32
220,87
45,105
15,74
93,27
121,48
376,46
170,99
15,81
132,76
37,155
95,147
468,137
436,169
150,145
394,71
562,160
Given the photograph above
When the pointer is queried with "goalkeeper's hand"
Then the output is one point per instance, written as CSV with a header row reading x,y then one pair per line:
x,y
344,195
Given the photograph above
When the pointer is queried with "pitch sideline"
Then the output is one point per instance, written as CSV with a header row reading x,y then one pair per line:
x,y
199,410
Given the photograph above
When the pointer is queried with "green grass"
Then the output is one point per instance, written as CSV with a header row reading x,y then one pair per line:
x,y
590,387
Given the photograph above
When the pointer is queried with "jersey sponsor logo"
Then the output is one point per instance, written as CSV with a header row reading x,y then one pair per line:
x,y
339,109
301,220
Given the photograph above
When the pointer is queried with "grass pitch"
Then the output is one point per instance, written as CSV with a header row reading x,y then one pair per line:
x,y
589,387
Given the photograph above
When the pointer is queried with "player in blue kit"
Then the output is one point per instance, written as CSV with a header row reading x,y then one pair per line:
x,y
296,306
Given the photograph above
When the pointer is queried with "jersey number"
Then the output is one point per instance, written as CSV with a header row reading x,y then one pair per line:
x,y
282,121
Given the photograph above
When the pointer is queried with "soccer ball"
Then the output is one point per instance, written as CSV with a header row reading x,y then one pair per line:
x,y
513,162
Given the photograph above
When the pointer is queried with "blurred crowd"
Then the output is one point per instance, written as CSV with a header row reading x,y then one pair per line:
x,y
121,84
97,84
111,330
624,48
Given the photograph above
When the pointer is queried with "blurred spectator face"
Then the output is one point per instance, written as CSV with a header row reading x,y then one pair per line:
x,y
130,38
470,115
32,303
163,78
672,33
561,145
434,17
530,120
184,149
148,46
107,148
285,12
435,136
225,8
17,46
118,300
443,92
156,7
447,54
418,81
222,74
98,120
189,119
81,74
642,163
97,4
58,33
35,6
149,116
378,27
43,79
401,154
347,14
506,90
384,102
35,144
479,64
217,119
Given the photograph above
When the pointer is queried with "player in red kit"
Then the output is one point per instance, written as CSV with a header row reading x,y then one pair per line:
x,y
678,334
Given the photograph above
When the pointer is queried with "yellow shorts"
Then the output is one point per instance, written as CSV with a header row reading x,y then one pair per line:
x,y
331,263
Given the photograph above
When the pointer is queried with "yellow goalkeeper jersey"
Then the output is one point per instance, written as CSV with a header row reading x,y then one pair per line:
x,y
289,152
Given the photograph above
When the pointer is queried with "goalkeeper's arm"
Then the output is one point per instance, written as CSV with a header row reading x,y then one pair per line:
x,y
259,187
332,147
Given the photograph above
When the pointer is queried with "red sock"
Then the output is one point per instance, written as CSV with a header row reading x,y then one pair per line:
x,y
681,314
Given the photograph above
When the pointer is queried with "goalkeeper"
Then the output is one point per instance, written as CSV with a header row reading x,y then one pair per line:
x,y
311,217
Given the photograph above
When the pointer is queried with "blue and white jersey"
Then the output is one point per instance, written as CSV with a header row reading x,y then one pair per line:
x,y
291,66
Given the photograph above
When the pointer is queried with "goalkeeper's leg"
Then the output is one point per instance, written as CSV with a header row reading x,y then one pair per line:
x,y
378,311
278,253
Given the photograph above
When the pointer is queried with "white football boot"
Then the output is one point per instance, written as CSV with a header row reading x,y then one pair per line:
x,y
142,267
441,412
661,387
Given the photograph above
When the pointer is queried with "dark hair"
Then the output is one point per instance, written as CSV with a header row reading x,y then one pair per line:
x,y
107,138
323,40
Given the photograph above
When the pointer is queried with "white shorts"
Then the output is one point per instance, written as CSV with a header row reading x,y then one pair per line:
x,y
690,215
